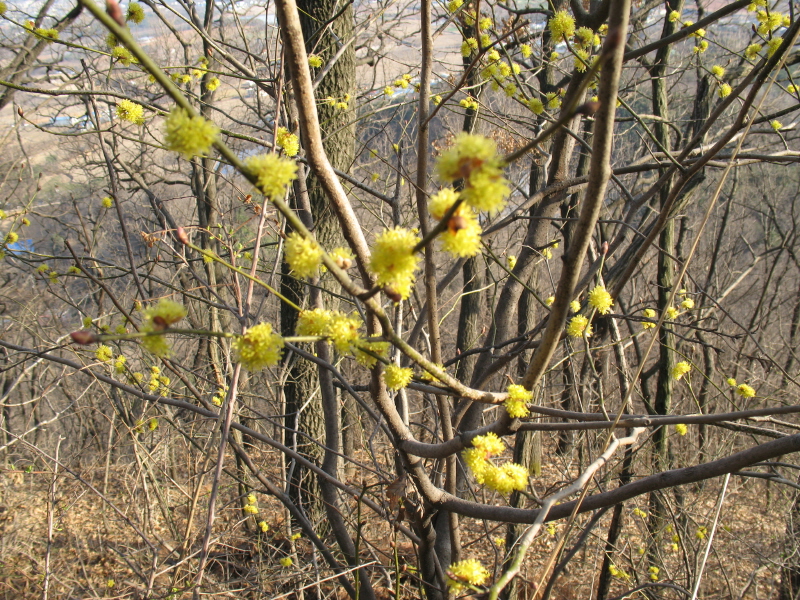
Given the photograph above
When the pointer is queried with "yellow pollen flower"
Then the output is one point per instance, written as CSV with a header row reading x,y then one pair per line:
x,y
259,347
135,13
393,261
397,377
745,391
273,173
562,25
517,402
288,141
469,571
103,353
314,61
303,255
600,299
681,429
130,111
579,327
680,369
191,136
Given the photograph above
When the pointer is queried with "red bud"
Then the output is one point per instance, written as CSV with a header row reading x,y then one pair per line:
x,y
393,294
181,235
115,12
604,248
83,337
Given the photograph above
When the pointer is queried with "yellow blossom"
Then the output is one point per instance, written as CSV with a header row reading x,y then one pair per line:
x,y
212,84
103,353
680,369
673,16
107,202
48,34
259,347
562,25
273,173
119,364
574,306
130,111
135,13
752,51
549,301
314,61
724,90
466,572
745,391
454,5
776,125
505,478
681,429
288,141
191,136
701,533
303,255
672,313
397,377
650,314
517,402
263,526
525,50
639,513
600,299
474,159
124,56
342,331
718,71
250,509
313,322
579,326
163,314
393,260
368,359
536,106
654,571
286,561
773,45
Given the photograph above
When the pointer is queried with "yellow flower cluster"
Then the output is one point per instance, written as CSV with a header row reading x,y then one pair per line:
x,y
681,429
191,136
751,52
273,173
654,571
579,327
745,391
103,353
769,22
287,141
135,13
397,377
259,347
314,61
681,369
250,507
600,299
469,102
124,56
650,314
464,573
367,352
517,402
212,84
562,25
393,260
504,478
48,34
463,234
130,111
303,255
473,158
107,202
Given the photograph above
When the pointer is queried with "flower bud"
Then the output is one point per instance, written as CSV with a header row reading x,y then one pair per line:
x,y
83,337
